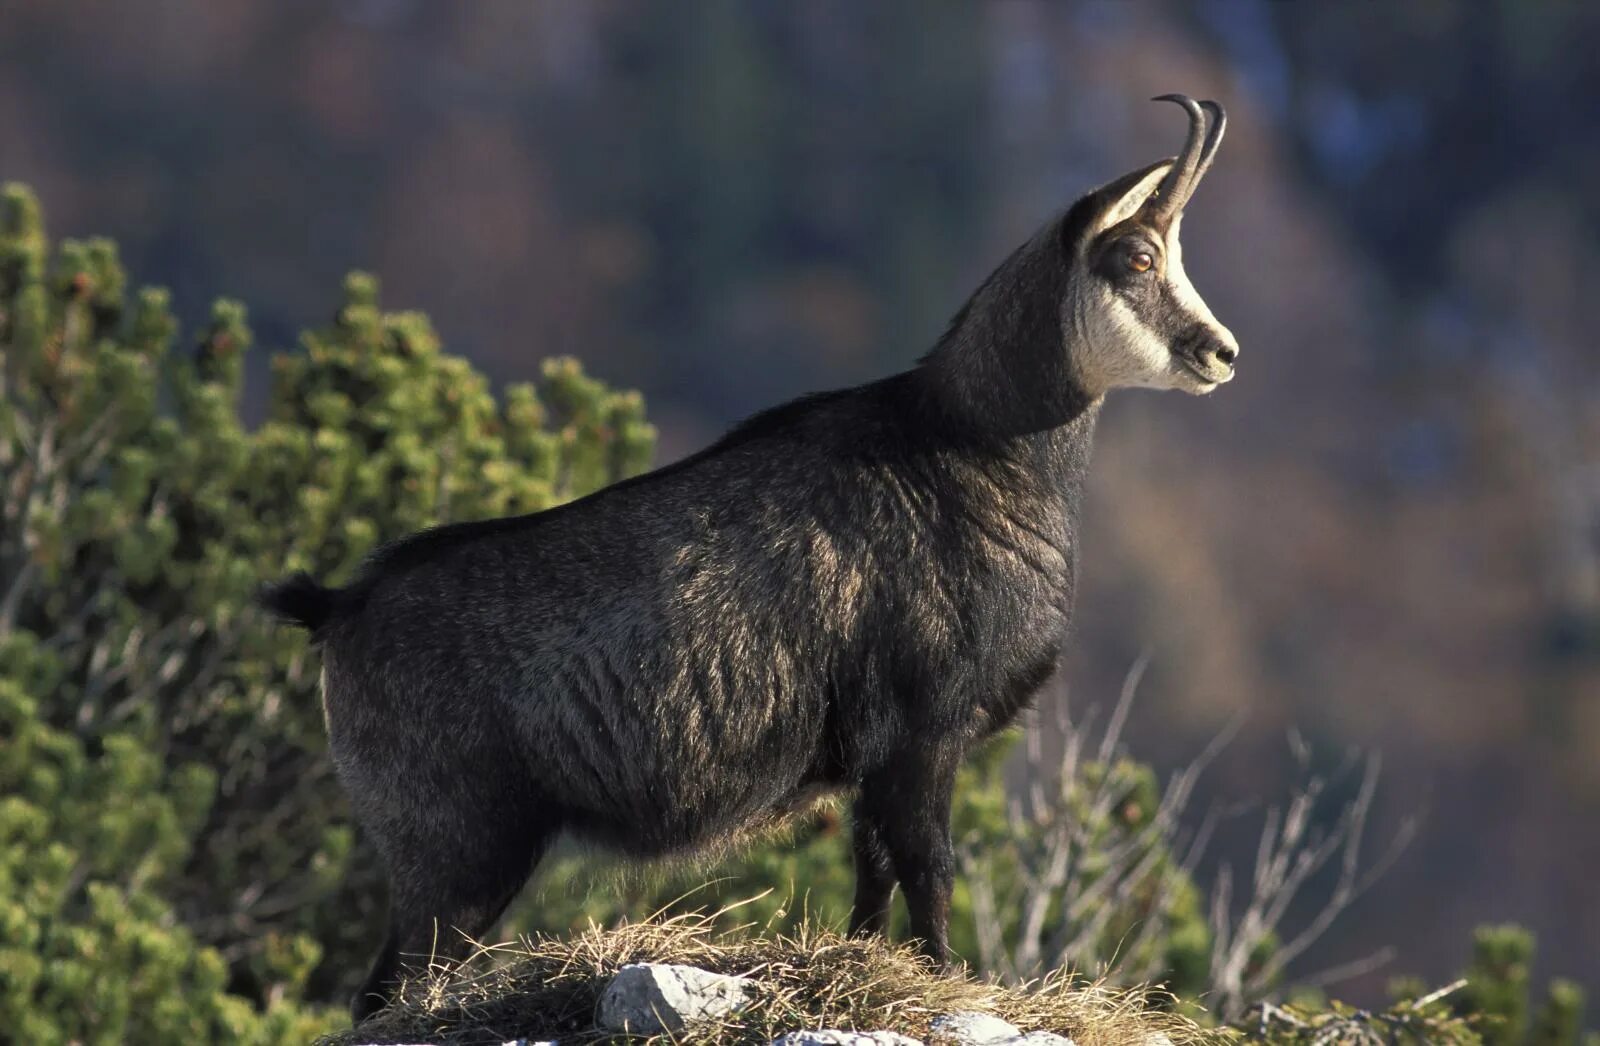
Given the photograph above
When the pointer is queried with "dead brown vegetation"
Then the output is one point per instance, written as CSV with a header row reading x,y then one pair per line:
x,y
547,987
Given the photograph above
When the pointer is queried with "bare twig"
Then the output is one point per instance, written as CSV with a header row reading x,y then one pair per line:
x,y
1077,862
1291,851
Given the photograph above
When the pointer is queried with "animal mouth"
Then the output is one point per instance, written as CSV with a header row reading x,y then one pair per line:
x,y
1206,374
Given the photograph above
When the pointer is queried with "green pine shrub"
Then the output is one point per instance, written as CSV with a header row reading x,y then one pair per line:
x,y
93,833
179,853
1488,1005
1498,990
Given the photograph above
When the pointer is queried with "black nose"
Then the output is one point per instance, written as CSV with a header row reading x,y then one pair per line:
x,y
1226,353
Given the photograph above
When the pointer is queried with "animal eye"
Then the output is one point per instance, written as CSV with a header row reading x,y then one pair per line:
x,y
1140,261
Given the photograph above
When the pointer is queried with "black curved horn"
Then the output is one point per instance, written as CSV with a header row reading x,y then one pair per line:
x,y
1175,188
1208,152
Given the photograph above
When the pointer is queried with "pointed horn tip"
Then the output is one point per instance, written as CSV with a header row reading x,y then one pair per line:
x,y
1180,99
1175,188
1219,117
1219,124
1218,114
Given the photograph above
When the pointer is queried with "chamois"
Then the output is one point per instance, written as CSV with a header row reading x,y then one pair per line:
x,y
844,594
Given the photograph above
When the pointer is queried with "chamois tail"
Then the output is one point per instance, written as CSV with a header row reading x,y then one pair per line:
x,y
299,600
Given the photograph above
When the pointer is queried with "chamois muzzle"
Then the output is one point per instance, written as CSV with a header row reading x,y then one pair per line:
x,y
1191,164
1209,356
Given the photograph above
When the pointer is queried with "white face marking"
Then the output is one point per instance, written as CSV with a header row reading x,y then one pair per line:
x,y
1183,291
1114,347
1118,350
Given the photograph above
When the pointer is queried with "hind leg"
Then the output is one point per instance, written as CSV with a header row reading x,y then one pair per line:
x,y
442,899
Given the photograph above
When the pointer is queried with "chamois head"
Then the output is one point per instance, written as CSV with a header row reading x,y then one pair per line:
x,y
1132,316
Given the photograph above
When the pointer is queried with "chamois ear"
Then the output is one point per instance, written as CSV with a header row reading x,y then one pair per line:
x,y
1125,197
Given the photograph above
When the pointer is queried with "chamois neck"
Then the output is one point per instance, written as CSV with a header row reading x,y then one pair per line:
x,y
1002,370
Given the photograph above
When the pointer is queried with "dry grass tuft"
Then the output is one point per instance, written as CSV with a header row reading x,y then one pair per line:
x,y
545,987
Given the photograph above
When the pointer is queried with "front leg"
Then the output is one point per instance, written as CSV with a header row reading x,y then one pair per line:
x,y
874,875
908,803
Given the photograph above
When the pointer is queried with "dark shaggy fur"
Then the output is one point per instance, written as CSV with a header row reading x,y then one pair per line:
x,y
847,592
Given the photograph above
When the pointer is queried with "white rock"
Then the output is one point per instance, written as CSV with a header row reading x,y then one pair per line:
x,y
832,1037
969,1028
652,998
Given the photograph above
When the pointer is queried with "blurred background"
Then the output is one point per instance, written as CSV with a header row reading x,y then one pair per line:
x,y
1384,533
